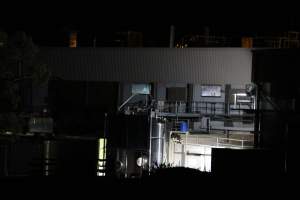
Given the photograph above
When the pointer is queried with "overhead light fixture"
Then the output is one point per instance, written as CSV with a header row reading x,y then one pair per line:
x,y
241,94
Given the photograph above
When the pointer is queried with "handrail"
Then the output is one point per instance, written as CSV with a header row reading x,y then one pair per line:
x,y
218,143
206,107
232,139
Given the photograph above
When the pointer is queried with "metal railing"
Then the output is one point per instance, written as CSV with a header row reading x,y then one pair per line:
x,y
229,143
180,155
213,141
202,107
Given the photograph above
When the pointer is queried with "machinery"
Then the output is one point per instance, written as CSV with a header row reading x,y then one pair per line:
x,y
147,134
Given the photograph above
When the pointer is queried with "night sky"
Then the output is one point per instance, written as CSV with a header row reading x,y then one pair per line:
x,y
49,22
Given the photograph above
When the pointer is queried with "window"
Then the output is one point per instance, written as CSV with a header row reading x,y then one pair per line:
x,y
141,89
211,90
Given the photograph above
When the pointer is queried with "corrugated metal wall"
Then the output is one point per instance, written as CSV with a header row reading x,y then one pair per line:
x,y
187,65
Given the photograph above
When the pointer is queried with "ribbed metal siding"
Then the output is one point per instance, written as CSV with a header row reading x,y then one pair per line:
x,y
188,65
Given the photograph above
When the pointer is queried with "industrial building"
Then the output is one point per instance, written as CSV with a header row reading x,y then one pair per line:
x,y
175,79
143,108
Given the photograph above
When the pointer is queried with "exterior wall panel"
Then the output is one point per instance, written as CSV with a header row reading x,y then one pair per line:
x,y
188,65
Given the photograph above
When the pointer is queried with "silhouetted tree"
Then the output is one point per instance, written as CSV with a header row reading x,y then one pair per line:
x,y
18,63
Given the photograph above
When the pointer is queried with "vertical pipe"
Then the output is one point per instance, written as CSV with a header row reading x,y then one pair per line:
x,y
126,150
157,143
257,117
227,99
182,155
208,125
150,138
47,157
126,162
190,91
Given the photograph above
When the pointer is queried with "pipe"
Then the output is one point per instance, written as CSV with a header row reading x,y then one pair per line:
x,y
150,142
257,141
127,101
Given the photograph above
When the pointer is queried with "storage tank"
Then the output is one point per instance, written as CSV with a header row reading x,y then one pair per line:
x,y
157,143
